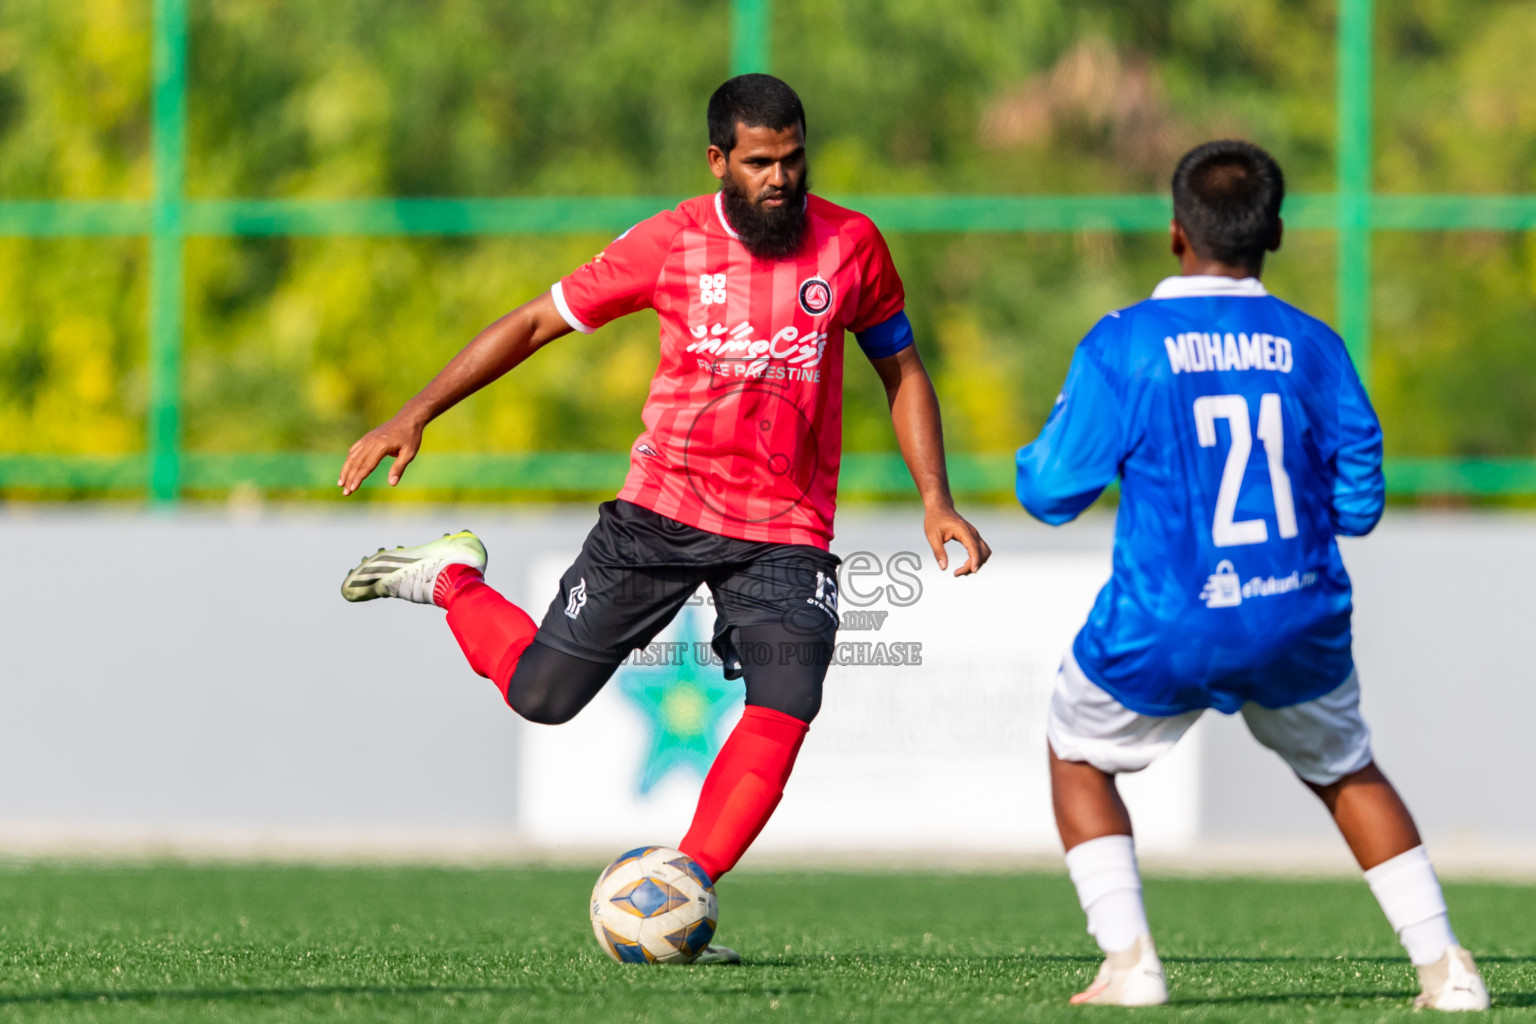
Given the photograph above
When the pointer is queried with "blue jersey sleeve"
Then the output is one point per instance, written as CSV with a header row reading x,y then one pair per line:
x,y
1079,450
1359,488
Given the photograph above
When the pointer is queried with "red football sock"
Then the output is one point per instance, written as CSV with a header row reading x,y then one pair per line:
x,y
492,631
453,579
742,788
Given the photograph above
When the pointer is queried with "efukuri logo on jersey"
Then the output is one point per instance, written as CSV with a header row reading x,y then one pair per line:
x,y
815,295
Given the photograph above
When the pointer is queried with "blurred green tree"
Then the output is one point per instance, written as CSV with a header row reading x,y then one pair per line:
x,y
299,344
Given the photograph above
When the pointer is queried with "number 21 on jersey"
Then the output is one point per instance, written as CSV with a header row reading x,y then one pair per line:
x,y
1234,409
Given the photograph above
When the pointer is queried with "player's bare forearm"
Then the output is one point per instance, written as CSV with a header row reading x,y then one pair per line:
x,y
919,429
920,435
493,352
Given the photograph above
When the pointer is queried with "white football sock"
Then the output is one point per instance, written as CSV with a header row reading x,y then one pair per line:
x,y
1109,890
1410,896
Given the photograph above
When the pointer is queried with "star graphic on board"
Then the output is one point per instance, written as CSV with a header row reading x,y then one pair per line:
x,y
683,706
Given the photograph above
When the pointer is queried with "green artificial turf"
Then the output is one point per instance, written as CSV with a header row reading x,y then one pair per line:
x,y
176,942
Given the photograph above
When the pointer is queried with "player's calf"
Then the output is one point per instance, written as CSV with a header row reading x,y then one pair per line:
x,y
1108,885
1410,896
1091,738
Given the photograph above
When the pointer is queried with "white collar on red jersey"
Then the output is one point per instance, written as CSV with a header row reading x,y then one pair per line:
x,y
720,212
1195,285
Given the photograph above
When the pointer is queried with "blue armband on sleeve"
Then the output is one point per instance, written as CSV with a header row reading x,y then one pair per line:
x,y
887,338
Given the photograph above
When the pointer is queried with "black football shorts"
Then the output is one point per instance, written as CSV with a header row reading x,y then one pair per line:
x,y
638,568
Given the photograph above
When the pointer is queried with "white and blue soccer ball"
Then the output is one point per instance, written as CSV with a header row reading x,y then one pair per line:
x,y
654,905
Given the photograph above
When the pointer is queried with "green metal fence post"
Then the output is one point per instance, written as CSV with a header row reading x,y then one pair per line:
x,y
166,283
749,36
1356,22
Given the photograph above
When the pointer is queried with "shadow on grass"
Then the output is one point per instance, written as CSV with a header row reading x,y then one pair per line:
x,y
1004,959
307,991
198,994
1269,998
864,956
1398,959
1509,999
1506,999
1281,998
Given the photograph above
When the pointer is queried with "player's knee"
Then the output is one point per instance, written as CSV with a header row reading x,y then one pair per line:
x,y
785,676
549,687
540,705
805,712
534,696
803,704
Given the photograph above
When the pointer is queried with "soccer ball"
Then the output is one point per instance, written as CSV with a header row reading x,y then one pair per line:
x,y
654,905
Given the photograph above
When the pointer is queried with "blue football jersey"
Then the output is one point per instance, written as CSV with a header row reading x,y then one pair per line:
x,y
1244,443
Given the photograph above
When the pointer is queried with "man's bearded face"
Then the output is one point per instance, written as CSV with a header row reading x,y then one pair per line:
x,y
770,223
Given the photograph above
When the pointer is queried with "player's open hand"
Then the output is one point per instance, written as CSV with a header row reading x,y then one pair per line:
x,y
943,525
400,437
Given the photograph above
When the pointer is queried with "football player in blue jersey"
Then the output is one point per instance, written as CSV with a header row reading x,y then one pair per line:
x,y
1244,443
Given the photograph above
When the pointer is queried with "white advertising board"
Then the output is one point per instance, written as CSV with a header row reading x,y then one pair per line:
x,y
947,754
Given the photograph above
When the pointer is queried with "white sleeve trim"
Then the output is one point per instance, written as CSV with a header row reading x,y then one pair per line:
x,y
565,311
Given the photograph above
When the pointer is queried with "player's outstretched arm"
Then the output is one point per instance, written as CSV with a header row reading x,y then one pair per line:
x,y
1078,453
920,434
493,352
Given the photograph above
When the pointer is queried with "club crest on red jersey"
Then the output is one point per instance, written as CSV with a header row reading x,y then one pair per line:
x,y
815,295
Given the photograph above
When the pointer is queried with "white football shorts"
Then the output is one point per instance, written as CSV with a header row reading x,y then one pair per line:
x,y
1322,740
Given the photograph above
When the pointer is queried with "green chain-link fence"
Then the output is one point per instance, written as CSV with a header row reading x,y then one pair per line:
x,y
166,470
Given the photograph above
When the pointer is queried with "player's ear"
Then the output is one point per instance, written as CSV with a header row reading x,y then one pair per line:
x,y
717,162
1178,242
1274,243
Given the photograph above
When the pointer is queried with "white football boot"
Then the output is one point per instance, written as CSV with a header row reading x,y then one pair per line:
x,y
1452,983
1133,977
411,573
717,955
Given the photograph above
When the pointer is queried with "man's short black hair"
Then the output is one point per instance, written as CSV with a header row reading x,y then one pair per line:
x,y
1227,196
757,101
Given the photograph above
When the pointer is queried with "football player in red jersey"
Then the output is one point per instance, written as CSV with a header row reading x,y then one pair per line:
x,y
733,482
